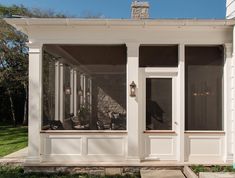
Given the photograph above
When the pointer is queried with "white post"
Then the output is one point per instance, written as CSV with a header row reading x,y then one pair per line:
x,y
233,97
133,123
75,93
180,123
57,89
71,89
35,102
82,88
61,92
90,97
227,101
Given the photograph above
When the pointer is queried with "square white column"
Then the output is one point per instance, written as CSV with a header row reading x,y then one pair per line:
x,y
228,121
61,89
233,97
180,123
35,102
133,123
57,89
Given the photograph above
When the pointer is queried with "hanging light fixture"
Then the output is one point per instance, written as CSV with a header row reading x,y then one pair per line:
x,y
133,89
80,91
67,90
88,92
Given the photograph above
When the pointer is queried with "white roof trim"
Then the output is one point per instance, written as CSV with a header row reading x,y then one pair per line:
x,y
117,22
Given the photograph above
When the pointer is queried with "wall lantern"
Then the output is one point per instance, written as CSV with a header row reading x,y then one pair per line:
x,y
67,90
80,92
133,89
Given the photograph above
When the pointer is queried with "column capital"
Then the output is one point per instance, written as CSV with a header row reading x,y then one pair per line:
x,y
132,49
229,50
34,47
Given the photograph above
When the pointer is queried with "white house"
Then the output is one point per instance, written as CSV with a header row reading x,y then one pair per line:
x,y
230,9
130,91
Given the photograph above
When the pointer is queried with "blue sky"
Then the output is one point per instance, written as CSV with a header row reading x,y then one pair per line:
x,y
121,8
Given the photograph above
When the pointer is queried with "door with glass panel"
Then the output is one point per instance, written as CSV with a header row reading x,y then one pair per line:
x,y
158,105
159,116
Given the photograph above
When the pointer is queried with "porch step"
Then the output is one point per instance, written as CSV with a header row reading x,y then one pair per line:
x,y
161,174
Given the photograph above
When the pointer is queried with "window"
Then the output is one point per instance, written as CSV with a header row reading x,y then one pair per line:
x,y
158,104
204,85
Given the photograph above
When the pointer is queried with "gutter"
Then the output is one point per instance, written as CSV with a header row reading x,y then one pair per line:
x,y
117,22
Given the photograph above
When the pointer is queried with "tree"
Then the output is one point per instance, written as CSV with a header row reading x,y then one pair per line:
x,y
14,56
13,63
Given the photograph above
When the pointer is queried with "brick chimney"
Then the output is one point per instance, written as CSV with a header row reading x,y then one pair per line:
x,y
140,10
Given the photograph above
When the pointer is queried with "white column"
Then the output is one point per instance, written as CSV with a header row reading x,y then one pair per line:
x,y
82,88
61,92
227,101
90,97
133,127
180,123
75,93
71,89
57,87
35,102
233,96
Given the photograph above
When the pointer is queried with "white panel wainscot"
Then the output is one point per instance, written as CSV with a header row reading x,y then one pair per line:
x,y
203,147
77,147
160,147
106,148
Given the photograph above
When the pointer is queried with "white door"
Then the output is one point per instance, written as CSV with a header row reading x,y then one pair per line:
x,y
158,110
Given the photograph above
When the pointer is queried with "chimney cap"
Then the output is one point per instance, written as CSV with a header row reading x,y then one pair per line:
x,y
138,3
140,9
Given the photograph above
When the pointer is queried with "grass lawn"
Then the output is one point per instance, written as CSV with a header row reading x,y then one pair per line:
x,y
12,139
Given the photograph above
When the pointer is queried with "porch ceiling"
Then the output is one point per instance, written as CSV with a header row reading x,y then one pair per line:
x,y
97,54
94,59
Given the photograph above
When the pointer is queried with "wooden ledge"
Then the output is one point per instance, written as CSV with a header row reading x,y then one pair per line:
x,y
159,132
82,132
205,132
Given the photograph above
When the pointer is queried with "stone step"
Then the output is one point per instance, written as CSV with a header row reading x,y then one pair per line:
x,y
161,174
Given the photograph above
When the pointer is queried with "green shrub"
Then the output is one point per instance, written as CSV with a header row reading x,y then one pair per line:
x,y
216,168
198,168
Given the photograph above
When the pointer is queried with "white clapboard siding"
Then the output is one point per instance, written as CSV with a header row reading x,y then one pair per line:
x,y
230,9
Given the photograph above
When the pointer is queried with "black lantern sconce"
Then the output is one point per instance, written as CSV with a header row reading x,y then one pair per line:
x,y
67,90
132,89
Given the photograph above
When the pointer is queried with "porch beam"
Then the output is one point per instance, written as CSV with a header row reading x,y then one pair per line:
x,y
133,123
35,102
